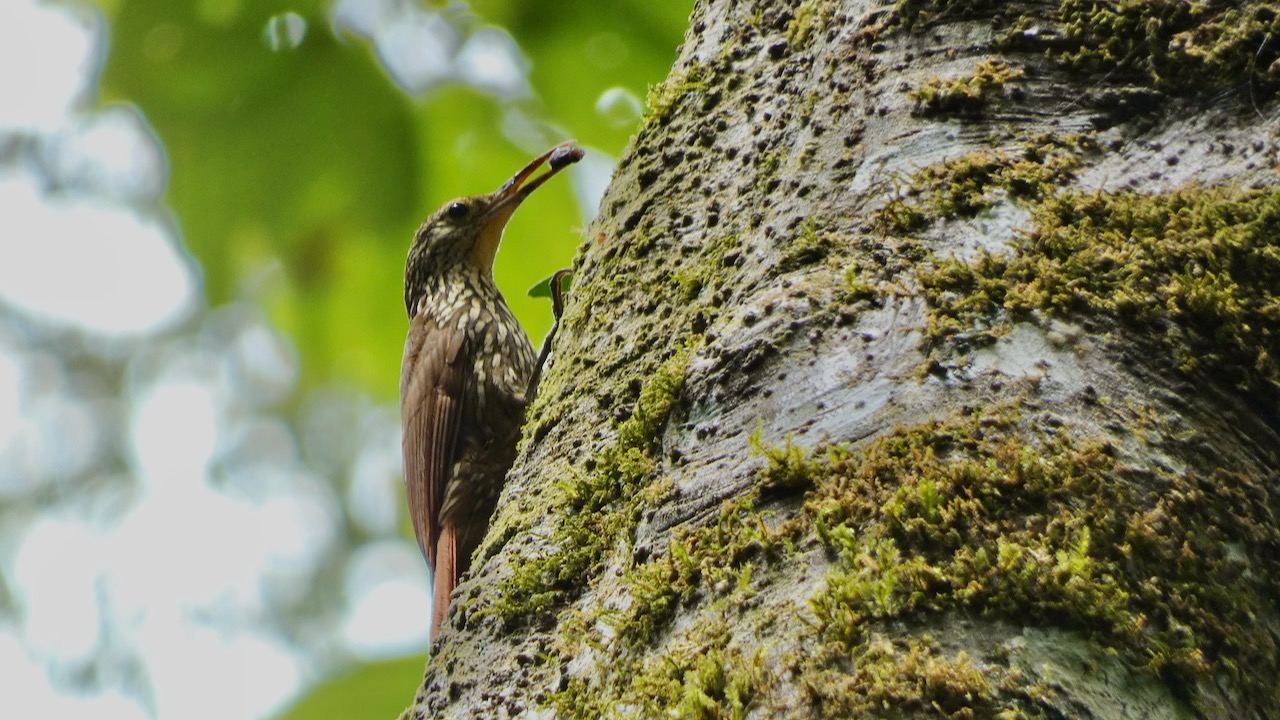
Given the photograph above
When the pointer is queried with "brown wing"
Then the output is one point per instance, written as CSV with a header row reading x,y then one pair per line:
x,y
431,399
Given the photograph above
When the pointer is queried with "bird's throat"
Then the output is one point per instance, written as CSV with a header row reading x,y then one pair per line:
x,y
490,237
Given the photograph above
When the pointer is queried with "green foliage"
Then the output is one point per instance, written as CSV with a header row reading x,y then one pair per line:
x,y
299,176
286,196
543,288
581,49
376,690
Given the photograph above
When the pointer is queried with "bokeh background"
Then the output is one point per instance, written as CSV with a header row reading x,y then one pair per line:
x,y
204,212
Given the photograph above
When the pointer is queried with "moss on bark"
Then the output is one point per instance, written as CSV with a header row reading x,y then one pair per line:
x,y
1193,274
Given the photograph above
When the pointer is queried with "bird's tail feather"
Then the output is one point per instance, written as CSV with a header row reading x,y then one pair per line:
x,y
445,577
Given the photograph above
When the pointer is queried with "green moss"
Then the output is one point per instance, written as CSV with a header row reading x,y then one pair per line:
x,y
598,508
909,14
718,684
914,673
787,467
974,182
995,515
807,247
1195,272
860,283
664,96
717,567
901,216
1180,47
767,173
707,676
966,185
963,96
809,14
657,398
707,271
720,557
1177,47
989,514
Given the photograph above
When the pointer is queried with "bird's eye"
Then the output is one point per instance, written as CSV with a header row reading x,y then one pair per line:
x,y
458,211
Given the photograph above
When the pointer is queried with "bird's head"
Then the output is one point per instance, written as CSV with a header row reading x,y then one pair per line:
x,y
466,231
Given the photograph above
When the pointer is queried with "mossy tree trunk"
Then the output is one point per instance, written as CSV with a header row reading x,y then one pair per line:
x,y
922,362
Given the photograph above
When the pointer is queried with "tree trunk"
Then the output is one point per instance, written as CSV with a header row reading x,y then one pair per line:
x,y
922,362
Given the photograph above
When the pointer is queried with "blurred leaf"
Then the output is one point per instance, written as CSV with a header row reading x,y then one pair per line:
x,y
305,161
543,288
299,176
579,50
377,690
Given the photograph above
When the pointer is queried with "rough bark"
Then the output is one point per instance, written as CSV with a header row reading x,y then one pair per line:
x,y
921,362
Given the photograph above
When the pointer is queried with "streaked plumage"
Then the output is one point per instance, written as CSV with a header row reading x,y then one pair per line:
x,y
465,375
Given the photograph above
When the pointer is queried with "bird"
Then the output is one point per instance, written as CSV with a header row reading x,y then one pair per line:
x,y
465,375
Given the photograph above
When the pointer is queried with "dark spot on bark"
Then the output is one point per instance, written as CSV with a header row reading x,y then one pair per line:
x,y
648,176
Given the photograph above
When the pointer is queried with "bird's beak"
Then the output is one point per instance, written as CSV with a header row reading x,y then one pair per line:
x,y
505,200
519,187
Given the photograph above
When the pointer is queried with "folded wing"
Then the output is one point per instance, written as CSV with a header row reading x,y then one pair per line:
x,y
431,403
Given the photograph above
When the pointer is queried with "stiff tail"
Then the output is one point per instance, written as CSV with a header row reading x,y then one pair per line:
x,y
445,576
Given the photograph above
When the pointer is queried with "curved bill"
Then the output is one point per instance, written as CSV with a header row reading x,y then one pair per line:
x,y
502,203
520,186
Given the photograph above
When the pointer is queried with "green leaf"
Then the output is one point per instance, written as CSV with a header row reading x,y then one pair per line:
x,y
543,288
377,690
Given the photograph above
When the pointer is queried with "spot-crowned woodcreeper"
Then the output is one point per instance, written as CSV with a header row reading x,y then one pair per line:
x,y
465,378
